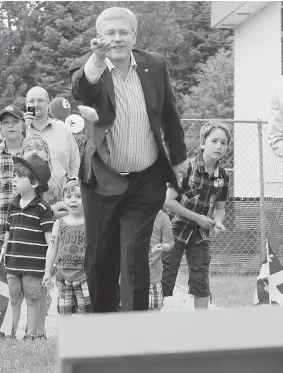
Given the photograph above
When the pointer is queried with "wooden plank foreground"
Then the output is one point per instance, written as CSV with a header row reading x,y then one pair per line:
x,y
248,340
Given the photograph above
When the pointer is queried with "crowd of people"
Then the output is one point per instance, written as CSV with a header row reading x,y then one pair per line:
x,y
108,229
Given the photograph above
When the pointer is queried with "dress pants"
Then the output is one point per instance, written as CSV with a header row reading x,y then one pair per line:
x,y
118,232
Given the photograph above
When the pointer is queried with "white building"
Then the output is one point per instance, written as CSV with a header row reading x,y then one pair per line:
x,y
258,65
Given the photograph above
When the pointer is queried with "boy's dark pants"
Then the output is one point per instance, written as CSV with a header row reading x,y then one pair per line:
x,y
3,275
118,232
198,258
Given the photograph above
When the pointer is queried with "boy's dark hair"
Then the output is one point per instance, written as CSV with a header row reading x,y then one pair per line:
x,y
23,171
69,188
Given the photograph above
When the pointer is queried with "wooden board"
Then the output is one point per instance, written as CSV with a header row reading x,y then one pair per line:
x,y
217,341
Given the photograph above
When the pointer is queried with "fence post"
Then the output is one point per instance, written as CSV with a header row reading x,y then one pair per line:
x,y
261,189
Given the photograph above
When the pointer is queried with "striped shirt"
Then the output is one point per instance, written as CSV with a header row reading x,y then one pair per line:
x,y
26,247
6,185
130,141
199,193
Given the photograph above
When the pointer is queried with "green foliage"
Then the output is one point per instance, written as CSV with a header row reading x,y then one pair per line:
x,y
40,39
213,97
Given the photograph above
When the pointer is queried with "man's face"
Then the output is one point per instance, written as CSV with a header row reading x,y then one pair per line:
x,y
37,97
120,33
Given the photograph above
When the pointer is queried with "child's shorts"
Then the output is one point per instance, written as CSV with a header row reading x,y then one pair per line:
x,y
155,296
25,285
198,258
73,297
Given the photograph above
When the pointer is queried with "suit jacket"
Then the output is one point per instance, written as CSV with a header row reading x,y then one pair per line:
x,y
275,120
162,113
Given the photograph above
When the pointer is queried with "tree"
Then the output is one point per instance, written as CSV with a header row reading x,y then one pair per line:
x,y
40,39
199,42
213,97
16,29
9,93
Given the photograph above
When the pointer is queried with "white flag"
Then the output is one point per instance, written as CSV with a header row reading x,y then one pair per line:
x,y
6,318
270,282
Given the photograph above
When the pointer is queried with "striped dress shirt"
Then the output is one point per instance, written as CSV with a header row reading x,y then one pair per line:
x,y
130,141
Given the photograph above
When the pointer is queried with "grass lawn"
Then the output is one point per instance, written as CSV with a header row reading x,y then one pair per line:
x,y
31,357
228,291
28,357
40,357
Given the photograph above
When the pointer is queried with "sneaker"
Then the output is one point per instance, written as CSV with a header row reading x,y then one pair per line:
x,y
41,337
28,337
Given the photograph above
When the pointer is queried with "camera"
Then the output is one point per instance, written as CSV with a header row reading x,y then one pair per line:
x,y
31,109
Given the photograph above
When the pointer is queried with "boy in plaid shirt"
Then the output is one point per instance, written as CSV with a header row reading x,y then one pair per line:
x,y
13,132
161,241
67,247
202,193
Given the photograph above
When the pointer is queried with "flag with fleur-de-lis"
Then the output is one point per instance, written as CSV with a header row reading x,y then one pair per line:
x,y
269,287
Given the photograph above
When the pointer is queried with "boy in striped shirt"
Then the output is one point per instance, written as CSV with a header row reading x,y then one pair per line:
x,y
28,232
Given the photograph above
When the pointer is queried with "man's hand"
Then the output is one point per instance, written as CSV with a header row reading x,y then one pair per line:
x,y
205,222
218,228
100,47
29,118
180,168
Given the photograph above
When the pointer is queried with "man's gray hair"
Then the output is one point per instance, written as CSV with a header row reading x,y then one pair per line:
x,y
114,13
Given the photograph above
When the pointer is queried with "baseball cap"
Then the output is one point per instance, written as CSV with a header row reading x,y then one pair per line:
x,y
38,166
13,110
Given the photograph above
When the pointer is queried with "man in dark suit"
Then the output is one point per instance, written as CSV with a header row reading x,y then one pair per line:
x,y
124,166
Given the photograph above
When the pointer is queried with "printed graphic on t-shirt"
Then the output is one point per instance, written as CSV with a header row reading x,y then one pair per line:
x,y
72,250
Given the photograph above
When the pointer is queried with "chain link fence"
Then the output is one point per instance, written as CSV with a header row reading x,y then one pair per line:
x,y
254,211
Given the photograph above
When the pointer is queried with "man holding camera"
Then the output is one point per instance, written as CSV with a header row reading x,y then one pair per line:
x,y
63,147
124,166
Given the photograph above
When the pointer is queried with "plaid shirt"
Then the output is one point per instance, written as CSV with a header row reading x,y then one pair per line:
x,y
199,193
6,185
